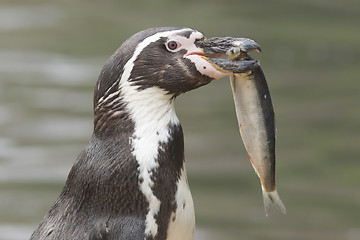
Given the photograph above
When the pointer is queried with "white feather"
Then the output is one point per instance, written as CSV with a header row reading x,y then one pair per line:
x,y
182,228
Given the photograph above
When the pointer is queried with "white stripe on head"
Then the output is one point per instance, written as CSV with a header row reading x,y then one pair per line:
x,y
152,111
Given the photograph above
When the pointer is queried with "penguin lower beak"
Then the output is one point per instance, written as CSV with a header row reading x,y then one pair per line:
x,y
217,47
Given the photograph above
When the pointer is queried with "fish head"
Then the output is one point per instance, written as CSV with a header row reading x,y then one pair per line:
x,y
234,49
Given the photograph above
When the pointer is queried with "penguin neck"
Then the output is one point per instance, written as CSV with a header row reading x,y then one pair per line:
x,y
152,111
143,112
147,117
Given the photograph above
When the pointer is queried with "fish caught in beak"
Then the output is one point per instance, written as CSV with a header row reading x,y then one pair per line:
x,y
217,47
253,107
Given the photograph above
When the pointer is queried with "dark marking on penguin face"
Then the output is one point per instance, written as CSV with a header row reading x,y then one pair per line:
x,y
170,71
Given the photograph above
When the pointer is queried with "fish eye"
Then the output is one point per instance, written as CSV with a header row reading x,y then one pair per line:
x,y
173,45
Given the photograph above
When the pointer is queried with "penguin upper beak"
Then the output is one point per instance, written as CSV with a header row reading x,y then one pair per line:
x,y
220,45
216,47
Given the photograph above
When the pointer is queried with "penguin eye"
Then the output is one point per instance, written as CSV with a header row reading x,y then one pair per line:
x,y
172,45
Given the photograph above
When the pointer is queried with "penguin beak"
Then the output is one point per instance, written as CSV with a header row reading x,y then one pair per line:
x,y
220,45
217,47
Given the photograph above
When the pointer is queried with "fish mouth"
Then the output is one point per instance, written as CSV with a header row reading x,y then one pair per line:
x,y
236,50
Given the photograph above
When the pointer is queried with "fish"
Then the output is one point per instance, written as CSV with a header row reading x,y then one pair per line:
x,y
253,105
256,120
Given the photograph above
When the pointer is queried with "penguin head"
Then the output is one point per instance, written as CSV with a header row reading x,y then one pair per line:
x,y
172,61
166,58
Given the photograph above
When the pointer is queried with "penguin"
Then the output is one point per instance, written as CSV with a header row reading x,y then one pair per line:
x,y
130,180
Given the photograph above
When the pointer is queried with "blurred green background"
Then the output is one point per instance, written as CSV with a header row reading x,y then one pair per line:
x,y
51,53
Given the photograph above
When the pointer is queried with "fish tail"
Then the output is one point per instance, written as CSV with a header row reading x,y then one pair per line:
x,y
272,200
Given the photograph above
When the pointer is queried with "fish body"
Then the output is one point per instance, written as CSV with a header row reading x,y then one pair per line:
x,y
256,120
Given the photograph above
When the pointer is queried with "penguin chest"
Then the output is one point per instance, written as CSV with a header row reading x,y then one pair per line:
x,y
182,221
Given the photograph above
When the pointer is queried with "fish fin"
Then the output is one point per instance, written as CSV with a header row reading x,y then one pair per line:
x,y
272,200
